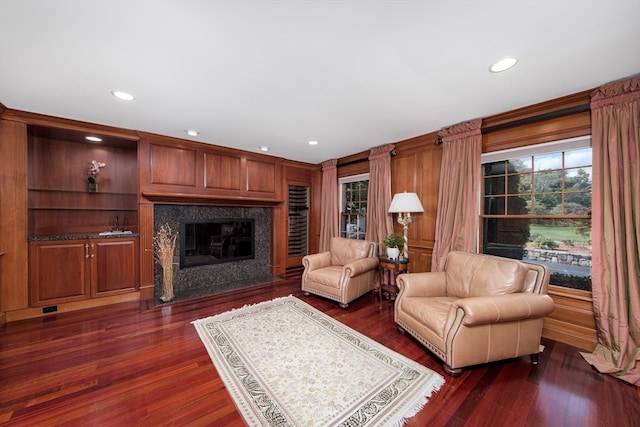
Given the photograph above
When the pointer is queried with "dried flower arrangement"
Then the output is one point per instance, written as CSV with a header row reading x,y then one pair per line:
x,y
165,245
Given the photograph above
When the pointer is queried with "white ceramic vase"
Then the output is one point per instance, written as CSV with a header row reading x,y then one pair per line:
x,y
393,253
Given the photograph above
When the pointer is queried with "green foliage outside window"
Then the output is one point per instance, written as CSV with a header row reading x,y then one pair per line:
x,y
540,207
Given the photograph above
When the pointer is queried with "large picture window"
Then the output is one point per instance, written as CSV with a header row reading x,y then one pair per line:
x,y
537,207
353,206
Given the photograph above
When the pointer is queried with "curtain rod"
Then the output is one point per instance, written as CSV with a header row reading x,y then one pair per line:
x,y
354,161
540,117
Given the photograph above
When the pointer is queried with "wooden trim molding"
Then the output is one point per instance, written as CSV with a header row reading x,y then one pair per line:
x,y
36,119
34,312
220,200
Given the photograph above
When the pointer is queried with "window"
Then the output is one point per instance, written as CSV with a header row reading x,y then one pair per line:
x,y
353,206
537,208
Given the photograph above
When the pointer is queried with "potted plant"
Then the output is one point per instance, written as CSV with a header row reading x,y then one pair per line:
x,y
393,243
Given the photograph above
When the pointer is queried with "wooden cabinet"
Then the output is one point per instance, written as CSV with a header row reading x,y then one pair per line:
x,y
71,270
173,170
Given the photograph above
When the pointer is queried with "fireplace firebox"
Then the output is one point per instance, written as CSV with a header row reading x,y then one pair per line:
x,y
215,241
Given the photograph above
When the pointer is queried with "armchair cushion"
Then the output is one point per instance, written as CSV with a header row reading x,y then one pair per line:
x,y
344,251
480,276
432,312
327,276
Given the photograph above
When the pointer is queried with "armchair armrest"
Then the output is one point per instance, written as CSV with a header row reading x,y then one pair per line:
x,y
503,308
316,261
431,284
359,266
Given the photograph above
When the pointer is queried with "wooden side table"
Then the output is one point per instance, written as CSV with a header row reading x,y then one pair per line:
x,y
389,269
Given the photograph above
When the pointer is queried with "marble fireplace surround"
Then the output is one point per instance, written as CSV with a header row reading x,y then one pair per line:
x,y
193,282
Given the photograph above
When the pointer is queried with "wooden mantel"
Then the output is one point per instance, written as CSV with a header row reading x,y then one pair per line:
x,y
220,200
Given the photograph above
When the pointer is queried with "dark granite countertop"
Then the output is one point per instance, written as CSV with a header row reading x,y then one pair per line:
x,y
81,236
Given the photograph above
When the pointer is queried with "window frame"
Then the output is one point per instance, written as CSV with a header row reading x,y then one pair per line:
x,y
532,151
359,234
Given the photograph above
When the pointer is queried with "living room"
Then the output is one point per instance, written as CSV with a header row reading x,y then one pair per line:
x,y
149,174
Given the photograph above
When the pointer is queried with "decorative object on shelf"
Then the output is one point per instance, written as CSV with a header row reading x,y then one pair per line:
x,y
392,242
403,204
94,170
165,245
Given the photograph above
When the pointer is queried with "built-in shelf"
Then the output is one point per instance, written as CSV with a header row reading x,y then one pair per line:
x,y
61,190
53,199
58,198
84,209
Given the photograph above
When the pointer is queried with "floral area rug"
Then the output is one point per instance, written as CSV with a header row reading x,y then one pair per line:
x,y
287,364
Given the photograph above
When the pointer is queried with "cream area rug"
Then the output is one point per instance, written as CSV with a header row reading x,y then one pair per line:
x,y
287,364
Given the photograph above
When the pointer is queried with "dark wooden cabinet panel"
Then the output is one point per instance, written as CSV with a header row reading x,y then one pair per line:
x,y
178,171
71,270
59,271
13,211
172,165
261,176
222,172
116,266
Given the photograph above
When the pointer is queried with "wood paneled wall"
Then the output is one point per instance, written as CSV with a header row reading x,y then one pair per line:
x,y
416,168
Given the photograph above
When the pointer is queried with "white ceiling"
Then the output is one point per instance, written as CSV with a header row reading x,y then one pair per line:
x,y
349,74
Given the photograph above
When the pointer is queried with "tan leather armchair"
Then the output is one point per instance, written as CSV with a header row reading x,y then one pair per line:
x,y
345,272
480,309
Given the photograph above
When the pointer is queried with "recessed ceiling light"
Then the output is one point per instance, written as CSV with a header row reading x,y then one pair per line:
x,y
313,142
93,138
503,65
122,95
264,148
192,132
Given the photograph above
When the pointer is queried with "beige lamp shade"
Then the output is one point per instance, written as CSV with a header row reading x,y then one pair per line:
x,y
405,202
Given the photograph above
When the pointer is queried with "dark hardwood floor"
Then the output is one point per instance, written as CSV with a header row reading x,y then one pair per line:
x,y
125,366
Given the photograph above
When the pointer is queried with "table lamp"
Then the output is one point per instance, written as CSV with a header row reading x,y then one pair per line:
x,y
403,204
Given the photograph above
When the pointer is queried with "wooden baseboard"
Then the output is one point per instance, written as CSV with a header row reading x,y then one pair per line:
x,y
572,320
582,338
147,292
30,313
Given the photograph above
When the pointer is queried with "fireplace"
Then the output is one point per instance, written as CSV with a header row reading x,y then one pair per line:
x,y
226,267
215,241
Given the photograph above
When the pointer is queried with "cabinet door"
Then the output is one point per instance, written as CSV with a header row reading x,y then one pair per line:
x,y
115,266
58,271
